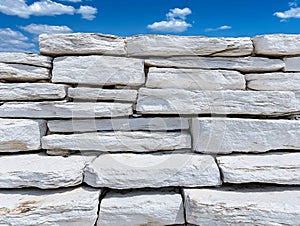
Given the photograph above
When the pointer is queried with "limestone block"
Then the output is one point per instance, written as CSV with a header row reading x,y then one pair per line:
x,y
292,63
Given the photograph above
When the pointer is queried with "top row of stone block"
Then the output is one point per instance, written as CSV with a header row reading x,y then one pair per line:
x,y
167,46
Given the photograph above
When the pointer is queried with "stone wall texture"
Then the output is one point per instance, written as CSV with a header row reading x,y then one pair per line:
x,y
151,130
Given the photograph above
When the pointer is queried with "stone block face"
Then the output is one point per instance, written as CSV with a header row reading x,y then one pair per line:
x,y
292,64
79,43
141,208
165,46
179,101
219,135
252,206
270,168
21,135
195,79
125,171
277,45
98,70
77,206
119,141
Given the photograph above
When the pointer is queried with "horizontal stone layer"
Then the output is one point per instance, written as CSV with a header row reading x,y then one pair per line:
x,y
274,81
41,171
98,70
292,63
31,91
242,64
178,101
270,168
29,207
277,45
118,141
229,206
64,110
127,124
219,135
26,58
21,134
20,72
102,94
164,46
80,43
195,79
125,171
141,208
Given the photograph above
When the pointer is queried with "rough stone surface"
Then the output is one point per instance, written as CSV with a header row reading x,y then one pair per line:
x,y
141,208
119,141
195,79
178,101
21,134
26,58
292,63
67,207
31,91
41,171
125,171
79,43
103,94
98,70
265,206
243,64
277,44
20,72
64,110
274,81
128,124
164,46
270,168
219,135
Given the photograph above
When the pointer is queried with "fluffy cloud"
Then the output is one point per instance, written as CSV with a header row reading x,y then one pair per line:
x,y
11,40
44,8
44,28
293,12
221,28
175,21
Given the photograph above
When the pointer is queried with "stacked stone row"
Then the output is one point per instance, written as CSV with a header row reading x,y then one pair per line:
x,y
151,130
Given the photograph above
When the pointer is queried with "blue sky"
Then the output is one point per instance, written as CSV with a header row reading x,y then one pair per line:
x,y
21,21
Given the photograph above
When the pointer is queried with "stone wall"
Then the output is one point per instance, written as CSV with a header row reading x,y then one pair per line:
x,y
151,130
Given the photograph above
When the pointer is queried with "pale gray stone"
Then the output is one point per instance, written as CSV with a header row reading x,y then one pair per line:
x,y
277,44
32,91
195,79
20,72
274,81
76,207
119,141
253,206
243,64
26,58
221,135
21,134
141,208
178,101
127,124
98,70
41,171
125,171
292,63
61,109
81,43
270,168
163,46
103,94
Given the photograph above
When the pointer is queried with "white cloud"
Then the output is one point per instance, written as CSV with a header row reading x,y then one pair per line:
x,y
47,29
221,28
87,12
11,40
175,21
75,1
293,12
